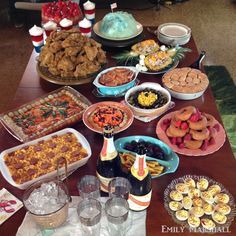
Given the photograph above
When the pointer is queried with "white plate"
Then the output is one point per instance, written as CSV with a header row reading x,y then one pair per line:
x,y
96,29
184,96
71,167
174,30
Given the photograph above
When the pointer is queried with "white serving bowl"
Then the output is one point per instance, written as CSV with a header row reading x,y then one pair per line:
x,y
148,112
185,96
174,34
115,90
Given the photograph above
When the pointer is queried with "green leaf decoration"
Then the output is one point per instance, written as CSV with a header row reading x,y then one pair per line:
x,y
127,58
180,53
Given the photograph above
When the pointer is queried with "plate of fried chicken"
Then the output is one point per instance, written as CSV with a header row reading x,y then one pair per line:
x,y
69,58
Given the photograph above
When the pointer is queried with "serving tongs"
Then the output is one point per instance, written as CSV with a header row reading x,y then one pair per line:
x,y
62,176
198,63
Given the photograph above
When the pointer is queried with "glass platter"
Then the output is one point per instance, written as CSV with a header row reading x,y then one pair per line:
x,y
45,114
171,161
220,139
96,29
46,75
200,229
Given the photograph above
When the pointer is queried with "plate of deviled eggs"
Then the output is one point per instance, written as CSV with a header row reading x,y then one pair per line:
x,y
199,203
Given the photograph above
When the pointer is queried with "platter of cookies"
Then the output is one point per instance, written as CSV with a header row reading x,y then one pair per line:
x,y
199,203
191,132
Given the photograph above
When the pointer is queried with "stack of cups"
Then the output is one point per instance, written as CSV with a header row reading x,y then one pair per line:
x,y
89,11
49,27
116,208
36,34
66,24
85,27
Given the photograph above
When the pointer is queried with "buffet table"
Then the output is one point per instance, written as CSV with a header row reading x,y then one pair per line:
x,y
219,166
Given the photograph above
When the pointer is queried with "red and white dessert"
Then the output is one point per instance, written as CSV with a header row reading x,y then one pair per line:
x,y
66,24
56,11
85,27
49,27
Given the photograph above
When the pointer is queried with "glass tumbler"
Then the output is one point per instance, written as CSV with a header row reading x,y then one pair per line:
x,y
90,212
117,211
89,187
119,187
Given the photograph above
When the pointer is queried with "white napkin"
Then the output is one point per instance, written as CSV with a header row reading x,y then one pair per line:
x,y
150,118
136,222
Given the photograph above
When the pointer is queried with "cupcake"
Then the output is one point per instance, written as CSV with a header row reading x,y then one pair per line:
x,y
223,208
182,215
193,221
175,195
222,198
187,202
202,184
182,188
219,218
214,189
208,208
194,192
190,182
197,201
207,224
175,206
197,211
207,197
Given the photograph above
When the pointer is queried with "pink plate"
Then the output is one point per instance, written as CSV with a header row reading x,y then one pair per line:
x,y
89,113
220,139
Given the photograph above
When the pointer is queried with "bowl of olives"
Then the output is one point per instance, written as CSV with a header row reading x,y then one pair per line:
x,y
148,99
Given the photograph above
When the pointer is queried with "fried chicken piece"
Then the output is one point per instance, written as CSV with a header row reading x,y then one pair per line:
x,y
80,70
101,56
58,56
46,57
81,59
55,46
92,67
73,51
65,64
54,70
91,52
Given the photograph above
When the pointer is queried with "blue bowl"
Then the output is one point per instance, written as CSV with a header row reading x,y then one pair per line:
x,y
116,90
172,160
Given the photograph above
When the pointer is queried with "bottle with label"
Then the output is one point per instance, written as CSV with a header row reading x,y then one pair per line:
x,y
108,164
141,182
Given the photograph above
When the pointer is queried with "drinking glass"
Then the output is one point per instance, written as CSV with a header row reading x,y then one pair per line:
x,y
119,187
89,187
90,212
117,211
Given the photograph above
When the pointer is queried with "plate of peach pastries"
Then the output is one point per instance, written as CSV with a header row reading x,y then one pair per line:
x,y
69,58
199,203
191,132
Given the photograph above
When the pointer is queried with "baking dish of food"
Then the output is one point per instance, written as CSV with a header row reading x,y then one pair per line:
x,y
27,163
46,114
116,80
